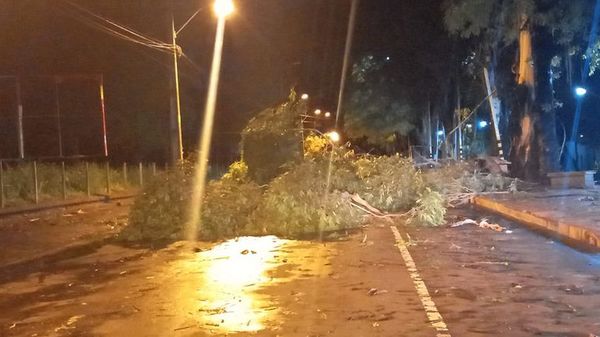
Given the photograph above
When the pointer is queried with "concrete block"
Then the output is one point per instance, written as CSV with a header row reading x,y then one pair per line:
x,y
577,179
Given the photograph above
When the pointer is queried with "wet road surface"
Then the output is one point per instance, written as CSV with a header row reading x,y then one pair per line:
x,y
483,283
251,286
518,284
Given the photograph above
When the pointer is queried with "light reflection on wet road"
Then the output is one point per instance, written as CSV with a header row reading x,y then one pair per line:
x,y
233,272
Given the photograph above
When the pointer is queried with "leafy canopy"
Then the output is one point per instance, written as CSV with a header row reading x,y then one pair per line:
x,y
377,108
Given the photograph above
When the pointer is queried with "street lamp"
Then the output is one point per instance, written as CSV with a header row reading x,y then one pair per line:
x,y
304,97
334,136
327,114
318,112
580,91
223,8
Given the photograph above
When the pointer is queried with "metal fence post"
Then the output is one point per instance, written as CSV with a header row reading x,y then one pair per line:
x,y
125,182
107,178
87,179
154,169
141,169
35,183
2,201
64,180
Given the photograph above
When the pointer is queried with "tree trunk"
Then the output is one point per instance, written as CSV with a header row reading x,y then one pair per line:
x,y
525,152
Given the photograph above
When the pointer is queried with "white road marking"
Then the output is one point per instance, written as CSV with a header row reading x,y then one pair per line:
x,y
433,315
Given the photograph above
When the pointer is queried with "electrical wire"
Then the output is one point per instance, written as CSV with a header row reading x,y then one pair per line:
x,y
112,28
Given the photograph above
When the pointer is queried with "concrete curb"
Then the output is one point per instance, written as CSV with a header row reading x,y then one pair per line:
x,y
572,233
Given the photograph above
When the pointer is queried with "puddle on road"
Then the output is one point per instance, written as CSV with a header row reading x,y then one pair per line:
x,y
231,273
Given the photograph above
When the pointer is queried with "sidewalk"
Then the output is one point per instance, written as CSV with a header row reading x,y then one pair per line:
x,y
73,201
36,235
573,215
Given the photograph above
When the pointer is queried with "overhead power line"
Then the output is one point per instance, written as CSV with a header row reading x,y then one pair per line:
x,y
115,29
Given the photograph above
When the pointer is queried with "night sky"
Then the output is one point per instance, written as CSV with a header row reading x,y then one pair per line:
x,y
271,45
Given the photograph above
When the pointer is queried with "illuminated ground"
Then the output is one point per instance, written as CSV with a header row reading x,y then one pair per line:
x,y
484,283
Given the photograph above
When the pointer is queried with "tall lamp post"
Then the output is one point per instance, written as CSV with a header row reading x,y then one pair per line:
x,y
222,8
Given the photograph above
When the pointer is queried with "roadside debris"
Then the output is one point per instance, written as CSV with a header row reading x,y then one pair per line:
x,y
483,223
68,325
375,291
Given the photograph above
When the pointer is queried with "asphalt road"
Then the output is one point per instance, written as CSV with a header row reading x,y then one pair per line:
x,y
519,284
482,282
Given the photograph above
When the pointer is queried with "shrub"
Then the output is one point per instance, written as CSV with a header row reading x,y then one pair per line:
x,y
160,212
272,139
315,145
296,204
429,210
227,207
388,183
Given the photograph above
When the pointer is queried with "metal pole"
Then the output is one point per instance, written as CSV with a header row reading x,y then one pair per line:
x,y
20,119
35,183
339,117
154,169
64,180
2,201
125,173
494,108
103,110
107,178
176,100
87,179
141,172
58,122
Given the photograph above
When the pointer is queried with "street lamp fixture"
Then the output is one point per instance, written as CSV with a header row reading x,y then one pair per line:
x,y
327,114
318,112
483,124
223,8
334,136
580,91
304,97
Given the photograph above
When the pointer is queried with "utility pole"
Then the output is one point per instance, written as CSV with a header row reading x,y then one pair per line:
x,y
176,137
339,114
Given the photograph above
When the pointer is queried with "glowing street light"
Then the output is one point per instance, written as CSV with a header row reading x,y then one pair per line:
x,y
327,114
580,91
483,124
223,8
334,136
304,97
317,112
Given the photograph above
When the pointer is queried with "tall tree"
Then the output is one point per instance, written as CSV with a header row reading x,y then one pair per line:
x,y
377,108
519,43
